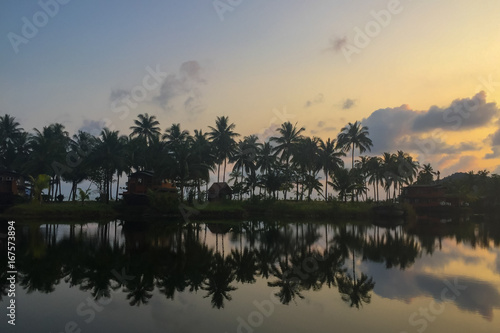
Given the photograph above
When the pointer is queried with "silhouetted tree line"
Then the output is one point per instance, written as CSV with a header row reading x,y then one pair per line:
x,y
287,162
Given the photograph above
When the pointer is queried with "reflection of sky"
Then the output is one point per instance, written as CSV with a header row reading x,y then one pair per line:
x,y
476,269
397,294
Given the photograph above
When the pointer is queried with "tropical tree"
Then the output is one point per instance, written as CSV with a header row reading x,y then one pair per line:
x,y
342,182
202,159
330,159
289,137
146,127
109,157
426,175
179,145
10,133
354,136
222,136
39,183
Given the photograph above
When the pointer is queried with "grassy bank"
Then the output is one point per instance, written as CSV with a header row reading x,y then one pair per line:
x,y
208,211
288,209
60,211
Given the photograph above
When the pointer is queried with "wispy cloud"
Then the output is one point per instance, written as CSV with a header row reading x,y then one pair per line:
x,y
318,99
185,85
348,104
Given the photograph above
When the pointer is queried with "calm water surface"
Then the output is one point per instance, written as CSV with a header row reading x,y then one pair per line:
x,y
254,276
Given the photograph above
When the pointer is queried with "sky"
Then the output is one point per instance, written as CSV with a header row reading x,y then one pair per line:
x,y
422,75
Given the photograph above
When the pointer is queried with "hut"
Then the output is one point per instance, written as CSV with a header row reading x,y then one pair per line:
x,y
139,183
429,198
220,191
11,186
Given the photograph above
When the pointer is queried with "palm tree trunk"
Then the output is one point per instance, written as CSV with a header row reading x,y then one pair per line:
x,y
218,172
326,185
352,164
117,185
224,175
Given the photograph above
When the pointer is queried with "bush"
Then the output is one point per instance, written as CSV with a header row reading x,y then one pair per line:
x,y
163,202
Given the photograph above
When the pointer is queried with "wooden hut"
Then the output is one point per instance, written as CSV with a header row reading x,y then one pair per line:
x,y
11,186
139,183
220,191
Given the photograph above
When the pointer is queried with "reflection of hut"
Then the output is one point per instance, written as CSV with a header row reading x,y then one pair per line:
x,y
139,183
11,185
219,191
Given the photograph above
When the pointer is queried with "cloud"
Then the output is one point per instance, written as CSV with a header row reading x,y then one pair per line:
x,y
321,123
423,132
118,95
318,99
462,114
466,162
186,85
348,103
92,127
337,43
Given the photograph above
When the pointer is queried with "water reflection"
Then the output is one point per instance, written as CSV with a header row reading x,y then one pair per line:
x,y
216,259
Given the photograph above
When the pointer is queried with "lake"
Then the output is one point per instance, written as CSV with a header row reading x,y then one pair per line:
x,y
253,276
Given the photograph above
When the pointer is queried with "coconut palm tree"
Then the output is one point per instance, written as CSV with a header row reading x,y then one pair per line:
x,y
342,182
330,159
9,135
179,145
289,137
146,127
245,155
354,136
109,156
222,136
202,159
426,175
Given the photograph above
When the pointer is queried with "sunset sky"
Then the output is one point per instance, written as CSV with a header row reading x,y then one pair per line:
x,y
423,75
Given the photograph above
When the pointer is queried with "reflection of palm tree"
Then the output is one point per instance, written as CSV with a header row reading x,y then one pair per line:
x,y
219,281
245,265
289,288
139,290
355,291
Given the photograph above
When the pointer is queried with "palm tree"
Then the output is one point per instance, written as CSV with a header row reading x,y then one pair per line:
x,y
80,147
330,160
288,139
354,136
9,134
202,159
109,156
426,175
374,174
390,169
342,182
266,160
146,127
179,144
245,155
222,136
